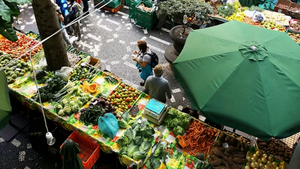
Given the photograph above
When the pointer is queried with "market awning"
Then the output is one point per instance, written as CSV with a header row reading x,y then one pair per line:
x,y
243,76
5,107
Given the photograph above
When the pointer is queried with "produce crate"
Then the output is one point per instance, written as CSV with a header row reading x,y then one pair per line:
x,y
132,6
113,4
31,32
290,29
282,6
294,10
95,62
146,19
90,151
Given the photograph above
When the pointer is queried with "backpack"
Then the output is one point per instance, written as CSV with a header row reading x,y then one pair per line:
x,y
79,13
154,59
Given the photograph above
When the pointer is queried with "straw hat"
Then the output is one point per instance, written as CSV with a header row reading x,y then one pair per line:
x,y
158,71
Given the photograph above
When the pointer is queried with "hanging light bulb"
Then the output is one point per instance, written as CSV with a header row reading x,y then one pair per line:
x,y
185,21
50,139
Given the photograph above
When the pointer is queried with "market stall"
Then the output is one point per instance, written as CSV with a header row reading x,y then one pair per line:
x,y
77,99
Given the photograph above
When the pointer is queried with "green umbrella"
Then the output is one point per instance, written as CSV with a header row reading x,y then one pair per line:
x,y
5,107
243,76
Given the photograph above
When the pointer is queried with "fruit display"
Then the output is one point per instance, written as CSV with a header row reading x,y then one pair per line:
x,y
177,122
15,68
278,18
72,102
54,85
32,35
5,59
295,37
158,157
89,88
137,140
144,8
97,107
21,46
294,25
228,152
238,16
277,148
272,25
258,159
199,138
83,72
123,97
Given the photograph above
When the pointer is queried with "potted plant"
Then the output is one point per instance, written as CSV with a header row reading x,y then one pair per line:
x,y
186,13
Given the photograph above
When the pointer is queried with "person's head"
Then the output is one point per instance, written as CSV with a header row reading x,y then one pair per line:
x,y
142,45
158,71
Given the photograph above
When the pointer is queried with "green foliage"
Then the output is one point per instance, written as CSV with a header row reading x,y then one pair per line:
x,y
177,8
8,10
226,10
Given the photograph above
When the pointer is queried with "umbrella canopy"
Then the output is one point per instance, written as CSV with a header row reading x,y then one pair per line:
x,y
243,76
5,107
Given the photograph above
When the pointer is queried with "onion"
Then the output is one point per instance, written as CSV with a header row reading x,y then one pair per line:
x,y
247,167
256,164
258,153
252,165
253,159
274,164
261,165
269,163
249,159
271,158
255,156
265,155
259,160
264,160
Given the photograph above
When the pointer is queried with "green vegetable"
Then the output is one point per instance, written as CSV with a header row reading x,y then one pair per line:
x,y
146,145
159,149
61,112
67,110
131,149
139,155
125,116
178,131
138,140
226,10
122,123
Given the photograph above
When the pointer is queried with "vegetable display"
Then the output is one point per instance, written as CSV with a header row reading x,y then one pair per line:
x,y
42,76
123,122
155,158
32,35
84,72
48,92
21,46
71,104
238,16
225,10
228,152
89,88
14,69
177,121
123,97
258,159
295,37
73,59
199,138
295,25
97,107
277,148
136,140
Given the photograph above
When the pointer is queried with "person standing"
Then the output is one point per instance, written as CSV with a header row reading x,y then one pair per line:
x,y
72,15
158,87
85,6
143,60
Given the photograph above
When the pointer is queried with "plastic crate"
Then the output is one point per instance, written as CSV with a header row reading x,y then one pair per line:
x,y
113,4
292,30
146,19
90,151
31,32
132,6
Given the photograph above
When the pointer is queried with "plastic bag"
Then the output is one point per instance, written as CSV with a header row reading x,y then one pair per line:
x,y
108,125
258,17
64,72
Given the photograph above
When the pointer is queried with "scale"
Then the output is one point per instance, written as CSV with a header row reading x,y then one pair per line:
x,y
155,111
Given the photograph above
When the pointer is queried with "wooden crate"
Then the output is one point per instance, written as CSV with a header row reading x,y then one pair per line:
x,y
95,62
282,6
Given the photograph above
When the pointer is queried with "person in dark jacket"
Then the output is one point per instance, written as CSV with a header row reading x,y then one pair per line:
x,y
161,18
73,14
85,6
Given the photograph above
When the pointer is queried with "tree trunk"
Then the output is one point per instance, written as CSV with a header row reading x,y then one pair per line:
x,y
47,22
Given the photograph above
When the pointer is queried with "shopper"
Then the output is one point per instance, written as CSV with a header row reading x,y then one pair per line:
x,y
85,6
161,17
143,60
74,12
61,20
158,87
